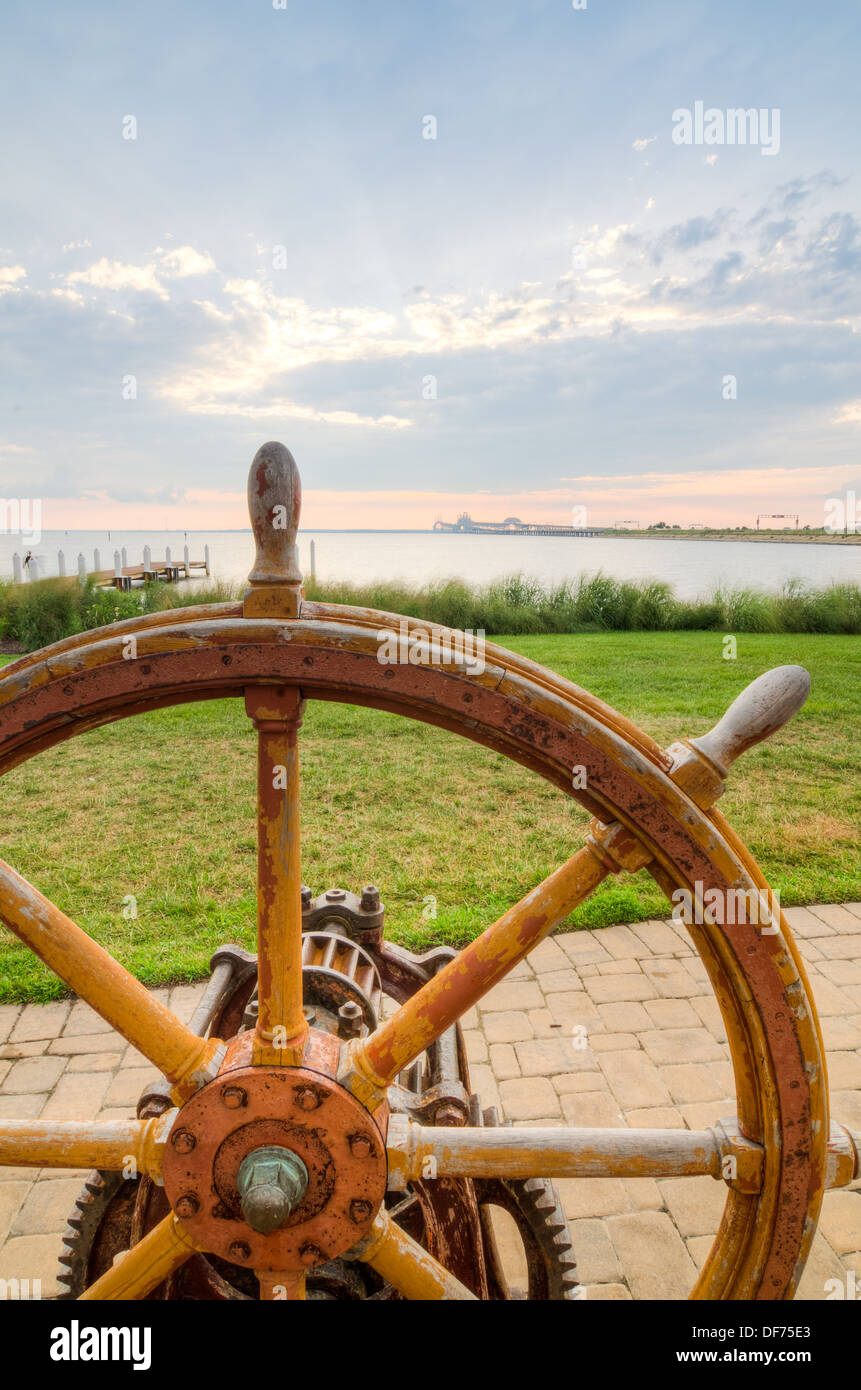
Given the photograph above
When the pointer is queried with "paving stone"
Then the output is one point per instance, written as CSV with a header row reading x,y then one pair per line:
x,y
644,1194
612,1042
115,1112
606,1293
8,1015
85,1042
655,1117
476,1046
704,1114
597,1262
94,1061
12,1197
841,972
660,939
469,1019
695,1204
47,1207
559,980
504,1061
40,1021
624,1018
545,1026
528,1098
822,1266
842,948
706,1006
691,1082
27,1107
803,923
33,1074
841,1034
507,1027
570,1082
623,944
522,994
127,1085
544,1056
586,971
83,1019
582,948
133,1058
32,1258
809,951
654,1258
587,1197
77,1097
670,1013
592,1110
672,981
681,1045
483,1082
836,916
184,999
573,1008
5,1068
13,1051
548,955
627,988
618,967
699,1248
633,1079
832,1000
840,1221
844,1071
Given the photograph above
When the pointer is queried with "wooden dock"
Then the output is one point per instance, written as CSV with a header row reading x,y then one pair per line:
x,y
123,575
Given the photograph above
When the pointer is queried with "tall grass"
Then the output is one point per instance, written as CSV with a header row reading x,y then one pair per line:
x,y
34,615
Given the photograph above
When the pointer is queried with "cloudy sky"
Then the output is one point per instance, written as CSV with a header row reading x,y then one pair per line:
x,y
223,223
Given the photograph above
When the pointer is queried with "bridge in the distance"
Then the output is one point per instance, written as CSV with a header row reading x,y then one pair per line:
x,y
511,526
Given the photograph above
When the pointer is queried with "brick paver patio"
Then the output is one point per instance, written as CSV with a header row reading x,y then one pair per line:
x,y
655,1055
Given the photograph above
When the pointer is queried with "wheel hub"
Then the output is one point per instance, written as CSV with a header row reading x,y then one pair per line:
x,y
275,1168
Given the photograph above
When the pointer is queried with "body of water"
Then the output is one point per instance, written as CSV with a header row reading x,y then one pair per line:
x,y
692,567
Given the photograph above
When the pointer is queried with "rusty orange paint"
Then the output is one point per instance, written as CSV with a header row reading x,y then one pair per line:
x,y
405,1264
146,1265
84,1144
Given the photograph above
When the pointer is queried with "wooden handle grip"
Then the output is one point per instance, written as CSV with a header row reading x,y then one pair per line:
x,y
760,710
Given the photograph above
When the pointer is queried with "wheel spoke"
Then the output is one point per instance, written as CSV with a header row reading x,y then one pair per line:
x,y
414,1150
113,1145
375,1063
405,1264
96,977
276,1288
281,1025
146,1265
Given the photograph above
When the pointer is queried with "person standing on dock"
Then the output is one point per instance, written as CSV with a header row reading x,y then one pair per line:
x,y
27,558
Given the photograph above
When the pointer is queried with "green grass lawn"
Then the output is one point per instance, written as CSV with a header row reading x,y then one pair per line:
x,y
162,807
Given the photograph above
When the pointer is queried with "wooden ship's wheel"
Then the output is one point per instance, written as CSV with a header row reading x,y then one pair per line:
x,y
308,1142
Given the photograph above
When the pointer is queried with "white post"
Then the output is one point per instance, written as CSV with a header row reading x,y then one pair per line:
x,y
97,560
206,557
125,557
147,558
16,568
118,569
82,567
34,570
186,557
313,561
167,555
61,564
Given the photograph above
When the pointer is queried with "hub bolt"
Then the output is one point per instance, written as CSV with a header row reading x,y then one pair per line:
x,y
335,895
187,1206
310,1254
239,1250
306,895
350,1020
307,1098
234,1097
183,1141
359,1210
361,1146
370,898
272,1182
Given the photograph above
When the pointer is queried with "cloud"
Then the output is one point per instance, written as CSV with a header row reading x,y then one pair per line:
x,y
179,263
643,144
849,414
9,275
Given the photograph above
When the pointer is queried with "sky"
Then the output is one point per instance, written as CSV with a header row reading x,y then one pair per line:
x,y
455,255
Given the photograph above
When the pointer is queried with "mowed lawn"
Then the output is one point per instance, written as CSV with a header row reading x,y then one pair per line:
x,y
162,807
